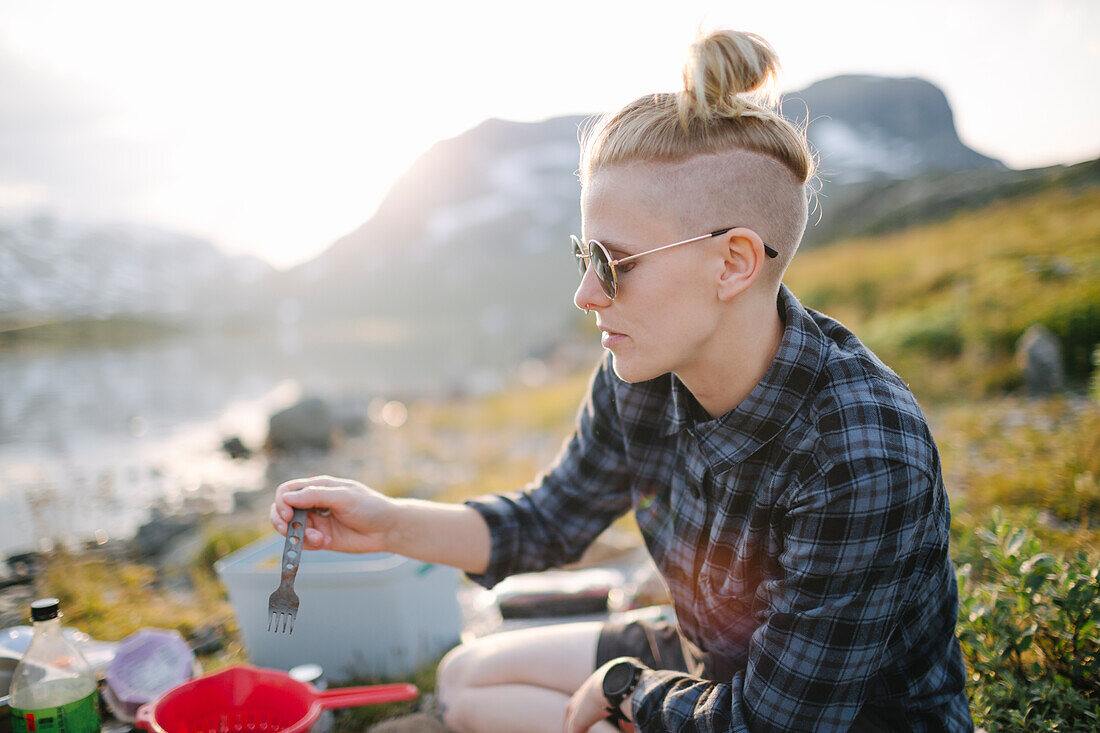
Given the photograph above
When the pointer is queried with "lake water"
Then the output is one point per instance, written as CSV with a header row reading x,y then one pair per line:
x,y
92,438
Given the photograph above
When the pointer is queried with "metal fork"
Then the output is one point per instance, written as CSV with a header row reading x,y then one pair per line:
x,y
282,606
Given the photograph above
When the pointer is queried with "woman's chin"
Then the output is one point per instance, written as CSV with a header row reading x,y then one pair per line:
x,y
633,371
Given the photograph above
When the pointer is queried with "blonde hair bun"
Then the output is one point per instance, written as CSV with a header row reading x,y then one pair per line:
x,y
725,105
721,67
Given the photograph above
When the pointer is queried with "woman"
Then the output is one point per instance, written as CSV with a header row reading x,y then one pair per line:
x,y
783,478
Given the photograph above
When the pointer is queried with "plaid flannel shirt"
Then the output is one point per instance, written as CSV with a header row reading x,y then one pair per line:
x,y
803,537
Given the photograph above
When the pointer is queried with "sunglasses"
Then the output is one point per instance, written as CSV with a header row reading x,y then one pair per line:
x,y
596,255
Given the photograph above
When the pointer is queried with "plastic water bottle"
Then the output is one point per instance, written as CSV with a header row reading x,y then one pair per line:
x,y
53,690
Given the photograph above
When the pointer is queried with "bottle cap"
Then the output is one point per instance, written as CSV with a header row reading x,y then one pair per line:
x,y
311,673
45,609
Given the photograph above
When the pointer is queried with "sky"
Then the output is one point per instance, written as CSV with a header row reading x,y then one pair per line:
x,y
273,128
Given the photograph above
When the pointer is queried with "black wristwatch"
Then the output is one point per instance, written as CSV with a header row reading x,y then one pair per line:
x,y
619,681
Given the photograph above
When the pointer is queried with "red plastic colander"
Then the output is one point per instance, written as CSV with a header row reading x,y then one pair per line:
x,y
245,698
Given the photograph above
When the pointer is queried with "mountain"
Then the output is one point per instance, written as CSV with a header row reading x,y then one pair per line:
x,y
472,232
476,231
62,269
473,238
874,128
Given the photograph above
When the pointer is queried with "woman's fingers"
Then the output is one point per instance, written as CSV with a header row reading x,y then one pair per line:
x,y
321,498
316,538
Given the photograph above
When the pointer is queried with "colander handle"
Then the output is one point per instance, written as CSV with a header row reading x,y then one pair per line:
x,y
372,695
144,717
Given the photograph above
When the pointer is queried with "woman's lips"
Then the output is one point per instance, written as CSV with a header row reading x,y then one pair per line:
x,y
610,338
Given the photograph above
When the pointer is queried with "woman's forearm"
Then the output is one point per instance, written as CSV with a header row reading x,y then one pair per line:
x,y
445,534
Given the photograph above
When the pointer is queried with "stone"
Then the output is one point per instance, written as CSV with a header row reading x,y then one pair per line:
x,y
156,536
236,448
1039,356
306,425
350,416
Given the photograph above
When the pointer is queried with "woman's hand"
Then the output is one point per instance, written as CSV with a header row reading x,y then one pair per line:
x,y
359,521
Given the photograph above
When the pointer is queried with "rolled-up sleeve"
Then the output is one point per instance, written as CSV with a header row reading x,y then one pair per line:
x,y
859,549
552,521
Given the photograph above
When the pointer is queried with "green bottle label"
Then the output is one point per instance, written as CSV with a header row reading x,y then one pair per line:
x,y
81,716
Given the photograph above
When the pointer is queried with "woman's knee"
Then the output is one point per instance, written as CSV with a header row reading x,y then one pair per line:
x,y
453,669
452,681
454,706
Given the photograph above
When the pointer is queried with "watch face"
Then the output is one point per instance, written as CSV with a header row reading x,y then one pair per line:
x,y
618,678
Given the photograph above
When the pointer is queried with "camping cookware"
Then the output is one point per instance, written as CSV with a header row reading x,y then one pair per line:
x,y
245,698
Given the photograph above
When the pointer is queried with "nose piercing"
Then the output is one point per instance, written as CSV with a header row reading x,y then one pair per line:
x,y
587,308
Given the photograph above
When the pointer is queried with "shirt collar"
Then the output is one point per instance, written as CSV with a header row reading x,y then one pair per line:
x,y
776,399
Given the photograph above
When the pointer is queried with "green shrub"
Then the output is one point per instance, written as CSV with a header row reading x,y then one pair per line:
x,y
217,542
1029,626
939,338
1077,326
1094,385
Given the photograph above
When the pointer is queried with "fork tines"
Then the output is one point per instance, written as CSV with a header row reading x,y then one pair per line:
x,y
276,618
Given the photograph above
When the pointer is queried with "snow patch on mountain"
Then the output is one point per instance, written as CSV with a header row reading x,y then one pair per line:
x,y
525,181
54,268
862,154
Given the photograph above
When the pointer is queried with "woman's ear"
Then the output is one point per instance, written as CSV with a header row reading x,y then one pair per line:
x,y
744,261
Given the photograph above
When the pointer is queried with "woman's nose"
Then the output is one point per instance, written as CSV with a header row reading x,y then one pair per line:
x,y
589,293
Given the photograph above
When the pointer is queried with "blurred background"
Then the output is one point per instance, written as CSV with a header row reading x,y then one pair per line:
x,y
210,212
242,242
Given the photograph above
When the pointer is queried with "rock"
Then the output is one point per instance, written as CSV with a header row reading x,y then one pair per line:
x,y
1039,356
15,604
244,501
236,449
155,536
352,425
350,416
207,640
24,566
308,424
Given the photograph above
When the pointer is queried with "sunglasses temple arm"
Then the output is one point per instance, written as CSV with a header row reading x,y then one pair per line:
x,y
768,250
667,246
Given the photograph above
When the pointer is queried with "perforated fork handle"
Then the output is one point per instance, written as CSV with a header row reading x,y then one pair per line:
x,y
292,548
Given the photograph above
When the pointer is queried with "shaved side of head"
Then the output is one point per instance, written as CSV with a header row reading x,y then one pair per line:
x,y
734,188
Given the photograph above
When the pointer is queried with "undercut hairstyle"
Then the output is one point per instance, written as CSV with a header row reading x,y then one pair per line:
x,y
727,107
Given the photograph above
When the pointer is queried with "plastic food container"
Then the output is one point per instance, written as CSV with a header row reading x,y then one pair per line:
x,y
148,662
374,614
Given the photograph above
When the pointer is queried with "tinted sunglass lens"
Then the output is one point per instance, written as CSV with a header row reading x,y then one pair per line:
x,y
604,272
578,254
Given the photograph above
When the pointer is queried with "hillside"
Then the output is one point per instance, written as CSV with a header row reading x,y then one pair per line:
x,y
881,206
944,304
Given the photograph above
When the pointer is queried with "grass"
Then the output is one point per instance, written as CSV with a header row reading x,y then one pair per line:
x,y
1038,460
945,304
547,407
111,596
356,720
